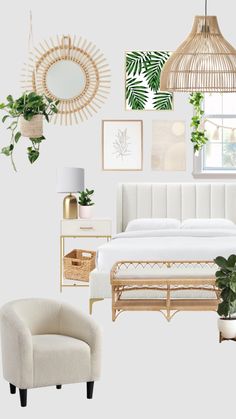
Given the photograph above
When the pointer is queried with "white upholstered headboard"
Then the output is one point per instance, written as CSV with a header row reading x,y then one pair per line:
x,y
175,200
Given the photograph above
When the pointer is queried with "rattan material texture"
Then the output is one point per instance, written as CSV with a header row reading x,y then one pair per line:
x,y
123,281
92,63
204,62
32,128
78,264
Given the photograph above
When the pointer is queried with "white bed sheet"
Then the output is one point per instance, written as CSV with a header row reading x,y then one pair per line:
x,y
166,245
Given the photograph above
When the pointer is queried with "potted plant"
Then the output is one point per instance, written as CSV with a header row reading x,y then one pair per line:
x,y
25,115
85,203
226,282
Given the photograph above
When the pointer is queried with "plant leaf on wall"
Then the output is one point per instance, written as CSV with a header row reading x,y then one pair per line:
x,y
153,67
163,101
135,61
143,72
136,93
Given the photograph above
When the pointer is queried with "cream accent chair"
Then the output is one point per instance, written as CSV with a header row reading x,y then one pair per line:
x,y
47,343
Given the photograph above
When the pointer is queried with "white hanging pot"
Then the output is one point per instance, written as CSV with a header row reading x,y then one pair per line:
x,y
32,128
85,211
227,327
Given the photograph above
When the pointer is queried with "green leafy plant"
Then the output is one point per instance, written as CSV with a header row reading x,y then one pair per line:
x,y
198,135
143,70
226,282
85,198
27,106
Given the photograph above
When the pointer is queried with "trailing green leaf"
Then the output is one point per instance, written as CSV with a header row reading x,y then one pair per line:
x,y
32,154
7,150
198,135
28,105
17,136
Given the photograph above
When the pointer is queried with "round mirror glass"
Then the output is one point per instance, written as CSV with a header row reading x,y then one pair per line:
x,y
65,79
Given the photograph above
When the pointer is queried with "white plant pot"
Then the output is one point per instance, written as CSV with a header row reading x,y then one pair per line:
x,y
85,211
32,128
227,328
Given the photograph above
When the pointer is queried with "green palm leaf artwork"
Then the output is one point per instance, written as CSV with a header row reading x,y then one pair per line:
x,y
143,72
136,93
163,101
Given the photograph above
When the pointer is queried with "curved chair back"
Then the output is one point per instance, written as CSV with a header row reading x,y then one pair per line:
x,y
41,316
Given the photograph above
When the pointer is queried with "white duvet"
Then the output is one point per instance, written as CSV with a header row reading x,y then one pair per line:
x,y
167,245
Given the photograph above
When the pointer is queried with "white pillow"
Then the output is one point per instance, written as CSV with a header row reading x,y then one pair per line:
x,y
152,224
198,223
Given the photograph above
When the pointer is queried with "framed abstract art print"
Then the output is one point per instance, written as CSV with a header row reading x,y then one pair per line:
x,y
122,145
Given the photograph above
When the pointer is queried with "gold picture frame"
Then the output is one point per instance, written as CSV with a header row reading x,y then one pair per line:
x,y
134,144
86,59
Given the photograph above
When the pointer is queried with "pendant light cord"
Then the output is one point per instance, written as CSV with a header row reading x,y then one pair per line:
x,y
205,15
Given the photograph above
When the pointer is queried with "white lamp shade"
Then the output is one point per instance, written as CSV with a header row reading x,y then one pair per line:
x,y
70,179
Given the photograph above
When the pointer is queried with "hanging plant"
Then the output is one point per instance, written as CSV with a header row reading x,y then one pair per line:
x,y
25,115
198,135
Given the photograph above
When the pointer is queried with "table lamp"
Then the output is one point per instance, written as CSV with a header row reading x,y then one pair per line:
x,y
70,179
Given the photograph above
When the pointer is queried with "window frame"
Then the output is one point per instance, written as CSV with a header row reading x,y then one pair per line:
x,y
198,161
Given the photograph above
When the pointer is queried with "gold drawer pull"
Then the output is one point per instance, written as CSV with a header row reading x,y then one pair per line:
x,y
86,228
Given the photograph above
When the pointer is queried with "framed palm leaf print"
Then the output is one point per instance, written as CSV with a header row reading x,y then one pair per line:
x,y
142,86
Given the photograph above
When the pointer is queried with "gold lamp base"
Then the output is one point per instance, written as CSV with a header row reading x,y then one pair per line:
x,y
70,207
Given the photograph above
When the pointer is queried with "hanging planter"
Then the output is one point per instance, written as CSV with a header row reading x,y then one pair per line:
x,y
32,128
26,115
198,135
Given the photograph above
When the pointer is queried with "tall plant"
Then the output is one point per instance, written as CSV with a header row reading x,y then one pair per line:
x,y
226,282
198,135
28,105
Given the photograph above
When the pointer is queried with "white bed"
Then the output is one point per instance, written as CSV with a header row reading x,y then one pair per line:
x,y
180,201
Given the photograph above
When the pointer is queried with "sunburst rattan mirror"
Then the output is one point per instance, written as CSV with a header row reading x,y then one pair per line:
x,y
71,70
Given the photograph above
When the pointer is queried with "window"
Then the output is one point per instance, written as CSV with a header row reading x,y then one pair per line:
x,y
219,154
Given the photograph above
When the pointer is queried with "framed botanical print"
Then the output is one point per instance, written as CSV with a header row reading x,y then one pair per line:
x,y
122,144
142,85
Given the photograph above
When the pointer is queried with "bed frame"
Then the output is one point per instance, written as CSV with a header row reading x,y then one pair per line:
x,y
170,200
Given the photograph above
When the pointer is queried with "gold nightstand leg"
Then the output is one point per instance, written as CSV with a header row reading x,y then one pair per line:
x,y
92,301
62,246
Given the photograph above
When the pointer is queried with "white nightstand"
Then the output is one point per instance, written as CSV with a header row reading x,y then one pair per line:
x,y
90,228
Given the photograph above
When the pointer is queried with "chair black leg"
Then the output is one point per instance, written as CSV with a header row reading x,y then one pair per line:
x,y
58,386
90,385
12,388
23,397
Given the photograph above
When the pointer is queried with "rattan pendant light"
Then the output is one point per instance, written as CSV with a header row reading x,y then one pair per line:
x,y
204,62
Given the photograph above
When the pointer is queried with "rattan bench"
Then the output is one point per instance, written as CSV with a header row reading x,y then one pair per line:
x,y
168,278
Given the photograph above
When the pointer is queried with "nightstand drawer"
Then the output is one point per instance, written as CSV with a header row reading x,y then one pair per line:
x,y
86,227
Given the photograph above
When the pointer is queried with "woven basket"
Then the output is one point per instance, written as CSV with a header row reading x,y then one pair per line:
x,y
78,264
32,128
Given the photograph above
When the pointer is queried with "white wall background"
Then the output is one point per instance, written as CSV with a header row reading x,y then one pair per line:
x,y
175,359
